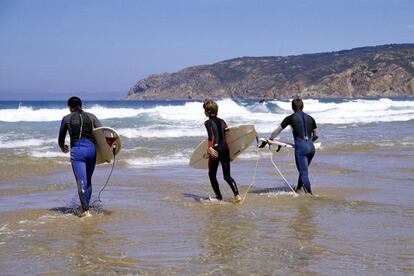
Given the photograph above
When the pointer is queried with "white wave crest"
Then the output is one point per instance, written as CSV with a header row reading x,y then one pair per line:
x,y
346,112
191,114
356,111
48,154
28,114
157,161
161,132
187,120
25,143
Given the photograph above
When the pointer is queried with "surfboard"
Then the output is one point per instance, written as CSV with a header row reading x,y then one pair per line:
x,y
238,139
107,139
277,142
285,144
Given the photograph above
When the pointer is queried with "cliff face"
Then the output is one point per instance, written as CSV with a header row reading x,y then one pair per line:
x,y
381,71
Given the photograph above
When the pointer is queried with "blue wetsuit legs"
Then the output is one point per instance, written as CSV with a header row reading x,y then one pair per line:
x,y
304,152
83,158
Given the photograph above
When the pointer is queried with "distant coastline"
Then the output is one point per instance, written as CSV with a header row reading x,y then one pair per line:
x,y
366,72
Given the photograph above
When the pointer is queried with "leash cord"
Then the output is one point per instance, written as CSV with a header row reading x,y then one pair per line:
x,y
253,177
280,173
107,180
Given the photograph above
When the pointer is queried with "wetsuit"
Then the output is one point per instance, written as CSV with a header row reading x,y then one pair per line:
x,y
302,126
216,138
83,150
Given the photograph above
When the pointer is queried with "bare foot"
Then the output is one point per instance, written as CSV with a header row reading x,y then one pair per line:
x,y
237,199
86,214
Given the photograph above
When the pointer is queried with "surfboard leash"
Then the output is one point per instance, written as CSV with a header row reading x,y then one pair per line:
x,y
263,144
280,173
254,172
109,176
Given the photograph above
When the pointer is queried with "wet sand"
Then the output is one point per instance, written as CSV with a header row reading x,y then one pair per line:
x,y
154,221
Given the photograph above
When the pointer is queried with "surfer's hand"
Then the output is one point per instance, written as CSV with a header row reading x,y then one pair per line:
x,y
65,149
314,138
212,152
263,144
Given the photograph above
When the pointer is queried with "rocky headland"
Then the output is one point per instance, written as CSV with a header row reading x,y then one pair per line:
x,y
379,71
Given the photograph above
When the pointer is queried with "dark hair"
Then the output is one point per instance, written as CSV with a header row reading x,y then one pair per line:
x,y
75,102
210,107
297,104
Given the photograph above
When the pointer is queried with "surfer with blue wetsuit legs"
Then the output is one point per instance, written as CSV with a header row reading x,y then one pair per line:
x,y
218,150
304,133
80,125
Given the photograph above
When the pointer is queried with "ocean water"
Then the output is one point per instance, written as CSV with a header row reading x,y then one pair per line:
x,y
159,133
154,219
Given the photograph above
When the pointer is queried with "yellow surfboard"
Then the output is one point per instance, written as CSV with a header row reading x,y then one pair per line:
x,y
108,144
238,139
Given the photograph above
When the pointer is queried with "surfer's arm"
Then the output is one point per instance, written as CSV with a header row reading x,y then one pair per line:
x,y
286,121
210,134
276,132
314,131
95,120
226,127
210,150
97,123
315,134
62,135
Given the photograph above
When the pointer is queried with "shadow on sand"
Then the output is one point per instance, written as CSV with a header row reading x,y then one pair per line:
x,y
196,197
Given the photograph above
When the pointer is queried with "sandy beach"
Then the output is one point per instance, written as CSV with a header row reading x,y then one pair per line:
x,y
154,220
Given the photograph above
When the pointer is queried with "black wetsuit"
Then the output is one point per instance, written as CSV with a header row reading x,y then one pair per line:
x,y
302,126
216,138
80,125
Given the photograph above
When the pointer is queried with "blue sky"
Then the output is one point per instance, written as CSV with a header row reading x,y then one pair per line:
x,y
98,49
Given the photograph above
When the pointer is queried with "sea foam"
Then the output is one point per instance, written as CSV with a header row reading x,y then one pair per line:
x,y
145,162
271,112
24,143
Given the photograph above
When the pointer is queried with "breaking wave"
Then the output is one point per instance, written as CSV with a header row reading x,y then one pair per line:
x,y
190,114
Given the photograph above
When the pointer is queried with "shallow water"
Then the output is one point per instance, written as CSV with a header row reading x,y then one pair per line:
x,y
155,217
152,221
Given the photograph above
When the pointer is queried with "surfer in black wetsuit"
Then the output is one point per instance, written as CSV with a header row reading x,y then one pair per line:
x,y
218,150
304,133
80,125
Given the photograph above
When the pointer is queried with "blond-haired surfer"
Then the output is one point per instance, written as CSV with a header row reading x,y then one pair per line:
x,y
218,150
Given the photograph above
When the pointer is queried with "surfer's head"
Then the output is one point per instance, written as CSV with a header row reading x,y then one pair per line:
x,y
210,108
297,105
74,103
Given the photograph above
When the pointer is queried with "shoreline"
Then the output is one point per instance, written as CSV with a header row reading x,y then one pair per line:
x,y
158,219
326,166
155,221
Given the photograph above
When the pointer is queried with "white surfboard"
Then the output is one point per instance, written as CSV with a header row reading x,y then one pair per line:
x,y
107,140
278,143
285,144
238,139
